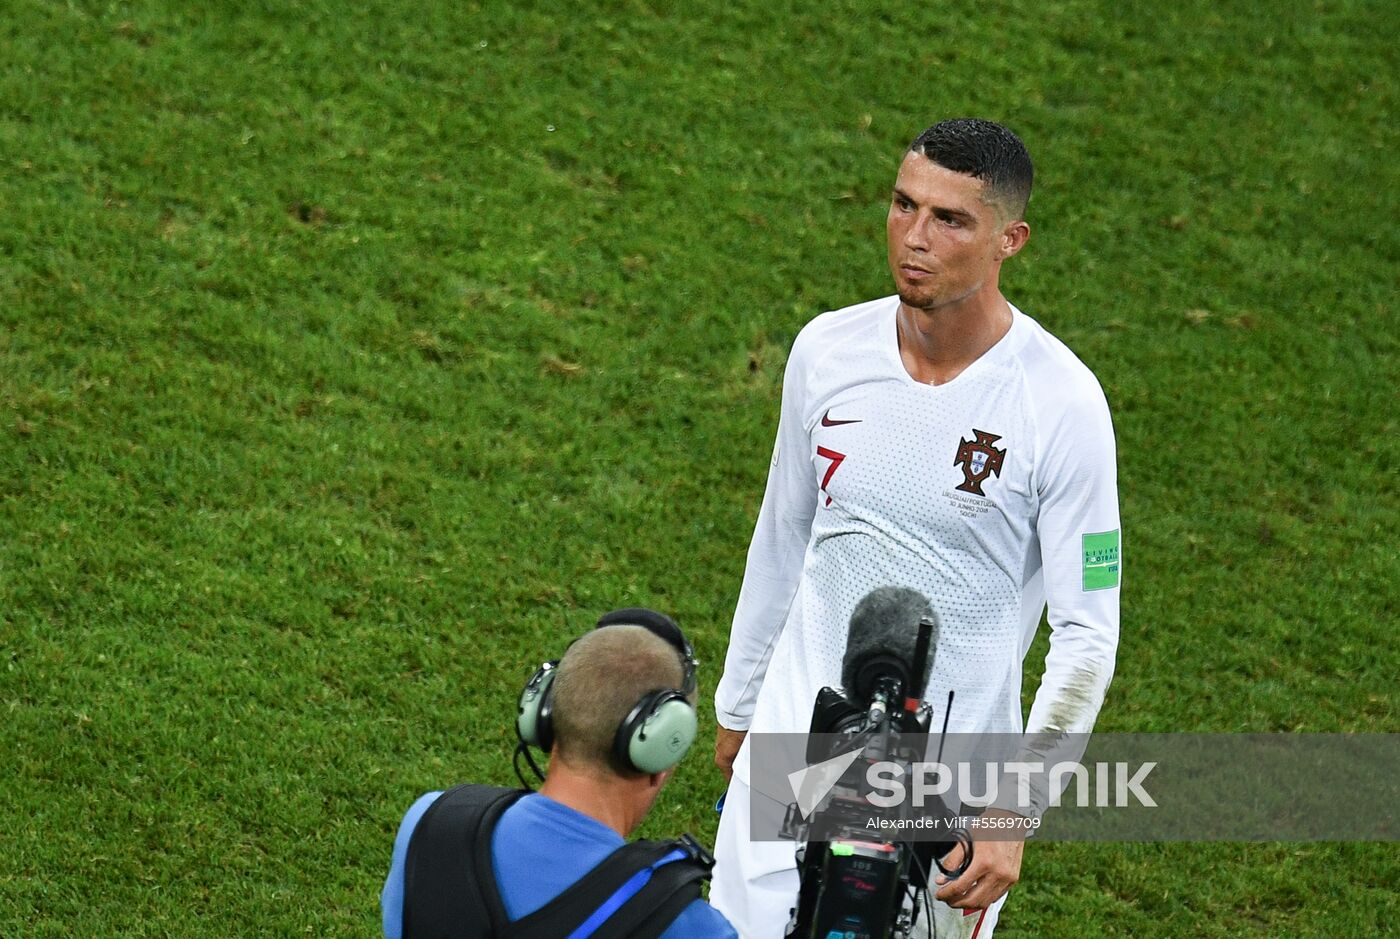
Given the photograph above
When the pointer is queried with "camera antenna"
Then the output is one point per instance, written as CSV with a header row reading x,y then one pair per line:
x,y
943,734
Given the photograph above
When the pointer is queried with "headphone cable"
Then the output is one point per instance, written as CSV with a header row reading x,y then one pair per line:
x,y
523,749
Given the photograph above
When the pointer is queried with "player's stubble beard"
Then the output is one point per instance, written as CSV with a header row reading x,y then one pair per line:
x,y
928,301
912,297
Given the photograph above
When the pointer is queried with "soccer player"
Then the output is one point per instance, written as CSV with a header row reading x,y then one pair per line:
x,y
940,440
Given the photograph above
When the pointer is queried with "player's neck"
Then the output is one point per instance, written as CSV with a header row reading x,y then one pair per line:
x,y
938,345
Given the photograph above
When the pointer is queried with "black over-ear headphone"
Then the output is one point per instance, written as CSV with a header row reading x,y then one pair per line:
x,y
657,731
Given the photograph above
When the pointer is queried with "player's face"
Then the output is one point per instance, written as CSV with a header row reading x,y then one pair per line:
x,y
945,242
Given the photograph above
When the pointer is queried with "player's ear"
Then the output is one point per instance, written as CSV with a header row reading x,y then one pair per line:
x,y
1014,236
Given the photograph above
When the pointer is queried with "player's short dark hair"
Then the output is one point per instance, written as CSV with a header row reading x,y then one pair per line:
x,y
986,150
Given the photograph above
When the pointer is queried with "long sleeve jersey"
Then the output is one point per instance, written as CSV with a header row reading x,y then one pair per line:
x,y
993,495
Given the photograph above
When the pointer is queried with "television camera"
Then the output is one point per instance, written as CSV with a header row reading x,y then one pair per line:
x,y
857,880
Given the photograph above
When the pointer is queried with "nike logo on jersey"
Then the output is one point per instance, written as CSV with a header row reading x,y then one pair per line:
x,y
828,422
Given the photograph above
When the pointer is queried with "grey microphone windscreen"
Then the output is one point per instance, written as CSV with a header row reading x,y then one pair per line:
x,y
883,632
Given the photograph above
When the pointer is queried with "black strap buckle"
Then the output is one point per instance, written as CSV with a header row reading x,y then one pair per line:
x,y
697,851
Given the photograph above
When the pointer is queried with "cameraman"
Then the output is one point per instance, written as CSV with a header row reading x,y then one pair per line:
x,y
590,802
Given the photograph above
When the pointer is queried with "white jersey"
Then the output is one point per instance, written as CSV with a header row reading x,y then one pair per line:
x,y
990,494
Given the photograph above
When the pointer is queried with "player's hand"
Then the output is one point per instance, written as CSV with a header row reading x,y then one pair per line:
x,y
996,865
727,744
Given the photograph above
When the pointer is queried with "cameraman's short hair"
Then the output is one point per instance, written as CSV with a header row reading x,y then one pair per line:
x,y
601,678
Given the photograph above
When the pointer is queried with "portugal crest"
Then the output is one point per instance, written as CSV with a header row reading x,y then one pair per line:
x,y
979,459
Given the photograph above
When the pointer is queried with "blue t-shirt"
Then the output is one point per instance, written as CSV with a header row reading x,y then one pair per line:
x,y
539,849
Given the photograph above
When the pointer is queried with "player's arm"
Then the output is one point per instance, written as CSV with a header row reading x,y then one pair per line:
x,y
1077,482
1080,540
773,570
1081,554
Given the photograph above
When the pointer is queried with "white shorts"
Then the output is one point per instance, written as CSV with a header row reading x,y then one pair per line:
x,y
755,883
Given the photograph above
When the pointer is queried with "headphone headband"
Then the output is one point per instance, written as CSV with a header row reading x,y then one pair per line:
x,y
660,727
662,626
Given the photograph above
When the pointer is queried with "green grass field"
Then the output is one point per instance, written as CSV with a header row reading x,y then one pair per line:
x,y
353,357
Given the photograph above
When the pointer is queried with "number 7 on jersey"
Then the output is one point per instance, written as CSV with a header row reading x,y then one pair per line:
x,y
835,459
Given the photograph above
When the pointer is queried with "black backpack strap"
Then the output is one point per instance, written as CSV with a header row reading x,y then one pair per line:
x,y
657,880
674,884
450,889
449,883
571,909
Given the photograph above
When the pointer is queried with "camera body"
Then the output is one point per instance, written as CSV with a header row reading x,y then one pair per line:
x,y
855,881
